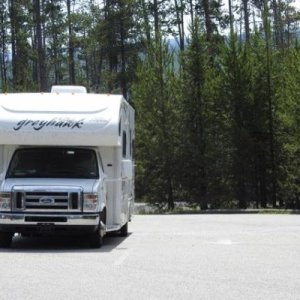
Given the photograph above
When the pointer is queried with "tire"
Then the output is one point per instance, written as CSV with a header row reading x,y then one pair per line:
x,y
124,230
96,240
5,239
25,235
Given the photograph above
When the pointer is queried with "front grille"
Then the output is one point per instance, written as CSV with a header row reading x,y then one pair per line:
x,y
37,199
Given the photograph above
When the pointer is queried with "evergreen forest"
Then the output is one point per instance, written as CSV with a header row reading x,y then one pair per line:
x,y
215,85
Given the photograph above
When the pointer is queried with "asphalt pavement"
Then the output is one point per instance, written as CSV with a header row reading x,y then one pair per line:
x,y
164,257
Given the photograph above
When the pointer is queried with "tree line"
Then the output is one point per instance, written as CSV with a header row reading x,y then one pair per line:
x,y
215,86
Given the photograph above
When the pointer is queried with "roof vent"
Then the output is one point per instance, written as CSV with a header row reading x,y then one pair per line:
x,y
73,89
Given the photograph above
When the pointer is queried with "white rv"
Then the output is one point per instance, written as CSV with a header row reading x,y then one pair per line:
x,y
66,164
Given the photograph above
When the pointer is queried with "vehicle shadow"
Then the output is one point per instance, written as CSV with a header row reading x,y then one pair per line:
x,y
61,244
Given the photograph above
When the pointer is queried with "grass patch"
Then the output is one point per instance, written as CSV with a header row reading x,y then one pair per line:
x,y
279,211
148,209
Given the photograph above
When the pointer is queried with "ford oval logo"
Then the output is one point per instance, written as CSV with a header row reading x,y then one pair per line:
x,y
47,200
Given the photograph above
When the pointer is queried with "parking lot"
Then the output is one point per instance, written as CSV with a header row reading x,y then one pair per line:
x,y
164,257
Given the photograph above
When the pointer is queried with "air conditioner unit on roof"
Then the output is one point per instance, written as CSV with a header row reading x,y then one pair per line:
x,y
68,89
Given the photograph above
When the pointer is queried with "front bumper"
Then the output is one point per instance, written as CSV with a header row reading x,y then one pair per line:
x,y
49,223
36,219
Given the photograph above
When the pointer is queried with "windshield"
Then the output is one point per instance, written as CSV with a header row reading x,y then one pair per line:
x,y
53,163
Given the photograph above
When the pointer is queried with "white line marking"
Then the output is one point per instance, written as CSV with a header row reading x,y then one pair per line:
x,y
225,242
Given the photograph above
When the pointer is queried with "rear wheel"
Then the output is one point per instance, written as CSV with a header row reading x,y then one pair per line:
x,y
5,239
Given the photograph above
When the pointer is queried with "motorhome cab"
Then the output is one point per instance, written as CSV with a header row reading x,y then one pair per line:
x,y
66,164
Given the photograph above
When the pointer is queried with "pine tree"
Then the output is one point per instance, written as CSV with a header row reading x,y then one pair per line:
x,y
21,49
155,96
71,44
55,27
194,149
41,55
287,93
3,45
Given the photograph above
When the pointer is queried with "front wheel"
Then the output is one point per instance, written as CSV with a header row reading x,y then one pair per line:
x,y
5,239
96,240
124,230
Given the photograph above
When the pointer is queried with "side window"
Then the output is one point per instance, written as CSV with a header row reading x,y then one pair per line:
x,y
124,144
1,159
130,142
132,146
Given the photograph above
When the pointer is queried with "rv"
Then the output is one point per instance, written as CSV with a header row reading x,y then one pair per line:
x,y
66,164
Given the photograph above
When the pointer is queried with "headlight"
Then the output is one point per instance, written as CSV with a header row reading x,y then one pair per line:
x,y
5,201
90,202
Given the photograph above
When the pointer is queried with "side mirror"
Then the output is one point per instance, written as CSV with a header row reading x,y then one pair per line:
x,y
127,169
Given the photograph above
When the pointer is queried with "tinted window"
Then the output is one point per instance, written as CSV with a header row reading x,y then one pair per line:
x,y
124,145
53,163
